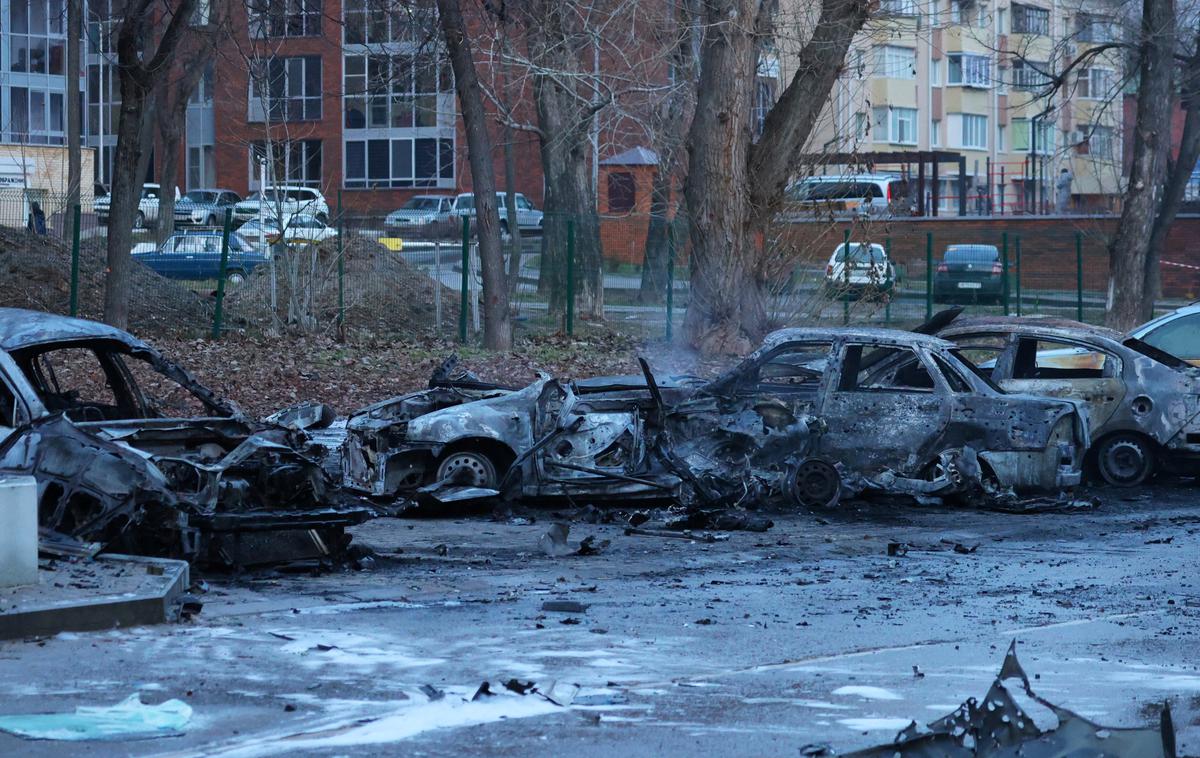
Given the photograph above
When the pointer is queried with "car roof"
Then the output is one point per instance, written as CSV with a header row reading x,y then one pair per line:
x,y
1044,326
1186,310
21,328
971,246
851,177
498,193
209,189
880,335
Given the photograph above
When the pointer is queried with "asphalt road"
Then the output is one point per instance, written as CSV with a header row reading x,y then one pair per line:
x,y
807,633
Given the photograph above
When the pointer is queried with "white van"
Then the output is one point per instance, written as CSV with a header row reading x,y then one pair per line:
x,y
874,195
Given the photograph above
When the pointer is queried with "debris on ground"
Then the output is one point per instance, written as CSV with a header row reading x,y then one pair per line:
x,y
554,543
563,606
1011,720
129,719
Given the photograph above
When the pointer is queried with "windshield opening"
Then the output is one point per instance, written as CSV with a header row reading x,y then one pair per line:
x,y
199,196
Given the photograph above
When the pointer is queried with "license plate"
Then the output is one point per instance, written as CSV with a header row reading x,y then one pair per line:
x,y
970,285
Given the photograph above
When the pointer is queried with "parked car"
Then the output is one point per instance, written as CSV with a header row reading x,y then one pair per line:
x,y
204,207
282,201
296,230
529,219
423,214
865,271
147,212
873,195
196,256
1177,333
130,451
969,273
1143,404
812,413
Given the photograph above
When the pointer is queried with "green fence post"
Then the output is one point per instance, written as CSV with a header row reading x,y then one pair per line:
x,y
341,251
466,265
218,312
1018,244
75,261
570,277
1004,270
846,276
1079,276
887,304
928,275
670,276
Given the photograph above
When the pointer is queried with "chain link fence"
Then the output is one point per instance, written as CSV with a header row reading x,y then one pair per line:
x,y
390,275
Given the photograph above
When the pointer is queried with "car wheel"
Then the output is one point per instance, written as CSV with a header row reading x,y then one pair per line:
x,y
323,219
815,484
139,221
235,277
503,228
1125,459
468,468
211,221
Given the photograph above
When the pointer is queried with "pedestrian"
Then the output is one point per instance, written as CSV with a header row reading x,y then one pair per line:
x,y
1063,188
37,219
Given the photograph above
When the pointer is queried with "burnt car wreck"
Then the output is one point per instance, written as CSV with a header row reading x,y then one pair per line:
x,y
131,452
813,415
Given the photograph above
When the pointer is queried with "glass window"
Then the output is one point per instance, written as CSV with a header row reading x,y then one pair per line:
x,y
1030,75
969,70
286,89
883,369
1029,19
284,18
895,62
1048,359
622,192
399,163
1180,337
1021,137
796,365
974,131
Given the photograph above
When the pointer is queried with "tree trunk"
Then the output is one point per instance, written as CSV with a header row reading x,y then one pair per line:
x,y
74,117
654,266
497,321
130,160
1129,251
515,245
168,179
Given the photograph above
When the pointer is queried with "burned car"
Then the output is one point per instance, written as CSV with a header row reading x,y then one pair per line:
x,y
1143,404
131,452
811,414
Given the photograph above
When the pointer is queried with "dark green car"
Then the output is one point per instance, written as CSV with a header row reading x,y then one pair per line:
x,y
969,274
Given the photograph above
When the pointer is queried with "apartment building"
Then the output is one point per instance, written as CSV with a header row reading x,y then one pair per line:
x,y
975,77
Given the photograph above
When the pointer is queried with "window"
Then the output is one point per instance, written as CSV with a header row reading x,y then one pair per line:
x,y
285,89
795,366
284,18
203,94
898,125
622,192
899,7
1021,137
764,100
861,126
37,36
396,92
1180,337
935,133
1045,359
935,73
895,62
1089,28
368,23
1001,21
969,70
974,131
1093,83
1000,135
883,369
1095,140
1030,75
956,381
8,408
35,117
201,166
1029,19
420,162
289,162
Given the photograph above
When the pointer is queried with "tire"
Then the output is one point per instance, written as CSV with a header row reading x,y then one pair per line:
x,y
815,483
210,221
139,221
1125,459
235,277
324,219
503,228
475,469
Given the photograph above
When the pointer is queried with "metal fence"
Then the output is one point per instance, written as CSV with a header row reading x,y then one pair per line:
x,y
374,273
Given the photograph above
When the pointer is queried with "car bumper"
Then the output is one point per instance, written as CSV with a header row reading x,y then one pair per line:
x,y
952,289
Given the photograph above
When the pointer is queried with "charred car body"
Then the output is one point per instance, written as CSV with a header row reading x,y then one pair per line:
x,y
1143,404
812,413
131,452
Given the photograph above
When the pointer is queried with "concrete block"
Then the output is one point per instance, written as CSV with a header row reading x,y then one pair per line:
x,y
18,531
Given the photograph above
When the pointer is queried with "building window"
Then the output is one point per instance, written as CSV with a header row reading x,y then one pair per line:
x,y
1095,140
935,133
399,91
622,192
764,100
969,70
895,62
897,125
1089,28
1029,19
861,126
1030,75
1021,142
367,23
899,7
284,18
1093,83
286,89
203,94
37,36
35,117
399,163
935,73
295,162
201,167
1000,135
973,132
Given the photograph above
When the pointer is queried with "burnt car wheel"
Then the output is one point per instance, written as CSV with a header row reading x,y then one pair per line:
x,y
1125,460
468,469
816,484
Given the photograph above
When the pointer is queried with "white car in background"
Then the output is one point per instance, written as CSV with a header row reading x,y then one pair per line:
x,y
421,213
529,219
147,213
1177,333
297,230
863,271
285,201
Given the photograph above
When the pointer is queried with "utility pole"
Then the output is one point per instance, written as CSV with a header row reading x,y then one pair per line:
x,y
74,117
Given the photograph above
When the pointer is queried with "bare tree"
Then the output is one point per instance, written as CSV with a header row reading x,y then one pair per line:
x,y
74,117
733,184
497,327
141,57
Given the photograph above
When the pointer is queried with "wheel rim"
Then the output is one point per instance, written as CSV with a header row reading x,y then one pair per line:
x,y
236,278
468,469
1123,461
817,483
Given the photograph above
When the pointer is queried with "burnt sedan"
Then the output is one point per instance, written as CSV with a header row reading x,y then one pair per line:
x,y
1143,404
131,452
812,414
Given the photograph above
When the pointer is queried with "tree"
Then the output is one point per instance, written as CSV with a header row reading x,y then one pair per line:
x,y
734,184
140,59
497,326
74,117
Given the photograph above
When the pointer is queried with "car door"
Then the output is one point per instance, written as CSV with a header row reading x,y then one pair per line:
x,y
1065,369
885,407
13,412
165,261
